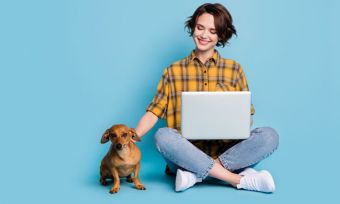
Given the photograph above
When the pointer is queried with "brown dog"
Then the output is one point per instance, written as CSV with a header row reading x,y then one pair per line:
x,y
123,157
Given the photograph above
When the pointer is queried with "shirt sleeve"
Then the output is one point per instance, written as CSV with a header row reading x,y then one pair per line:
x,y
242,85
159,103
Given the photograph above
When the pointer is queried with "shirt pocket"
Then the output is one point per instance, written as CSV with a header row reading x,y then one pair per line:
x,y
224,87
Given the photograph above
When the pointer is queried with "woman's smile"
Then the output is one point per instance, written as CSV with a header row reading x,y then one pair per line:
x,y
203,41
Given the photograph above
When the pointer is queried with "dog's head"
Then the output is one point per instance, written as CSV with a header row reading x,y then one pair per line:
x,y
120,135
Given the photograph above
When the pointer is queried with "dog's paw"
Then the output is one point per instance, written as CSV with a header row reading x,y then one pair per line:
x,y
140,187
103,182
114,190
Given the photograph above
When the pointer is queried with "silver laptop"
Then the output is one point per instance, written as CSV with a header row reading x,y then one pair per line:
x,y
215,115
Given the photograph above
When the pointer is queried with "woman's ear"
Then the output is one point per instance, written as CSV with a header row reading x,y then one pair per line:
x,y
105,137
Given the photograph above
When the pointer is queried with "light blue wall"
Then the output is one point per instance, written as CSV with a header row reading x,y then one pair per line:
x,y
70,69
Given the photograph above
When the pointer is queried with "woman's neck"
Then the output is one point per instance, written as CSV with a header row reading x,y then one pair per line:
x,y
204,55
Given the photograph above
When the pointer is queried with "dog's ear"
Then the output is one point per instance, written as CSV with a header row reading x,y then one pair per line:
x,y
134,135
105,137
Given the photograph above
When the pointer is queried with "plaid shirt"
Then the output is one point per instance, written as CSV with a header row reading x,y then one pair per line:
x,y
190,74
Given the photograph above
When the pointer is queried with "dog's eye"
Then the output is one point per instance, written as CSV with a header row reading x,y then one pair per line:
x,y
113,135
124,135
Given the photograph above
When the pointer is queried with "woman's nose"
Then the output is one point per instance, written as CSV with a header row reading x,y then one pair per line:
x,y
204,34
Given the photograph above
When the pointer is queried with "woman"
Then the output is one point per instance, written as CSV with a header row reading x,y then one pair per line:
x,y
205,70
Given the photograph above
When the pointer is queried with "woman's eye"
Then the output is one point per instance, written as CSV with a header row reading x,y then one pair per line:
x,y
199,28
213,32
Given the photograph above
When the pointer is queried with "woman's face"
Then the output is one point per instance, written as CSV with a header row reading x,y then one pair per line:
x,y
205,35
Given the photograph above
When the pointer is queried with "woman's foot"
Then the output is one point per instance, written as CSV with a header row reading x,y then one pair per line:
x,y
257,181
185,180
248,171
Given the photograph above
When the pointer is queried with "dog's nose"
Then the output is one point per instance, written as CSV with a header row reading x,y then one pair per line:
x,y
119,146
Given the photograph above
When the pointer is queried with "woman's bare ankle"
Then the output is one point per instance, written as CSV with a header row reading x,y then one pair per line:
x,y
236,180
218,161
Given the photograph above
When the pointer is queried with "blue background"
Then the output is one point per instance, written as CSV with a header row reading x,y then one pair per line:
x,y
71,69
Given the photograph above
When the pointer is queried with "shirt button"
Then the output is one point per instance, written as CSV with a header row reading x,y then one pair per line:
x,y
205,83
205,71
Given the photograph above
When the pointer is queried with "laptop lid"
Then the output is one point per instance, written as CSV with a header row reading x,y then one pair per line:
x,y
215,115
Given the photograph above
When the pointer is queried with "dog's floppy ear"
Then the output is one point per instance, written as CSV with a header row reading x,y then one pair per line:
x,y
134,135
105,137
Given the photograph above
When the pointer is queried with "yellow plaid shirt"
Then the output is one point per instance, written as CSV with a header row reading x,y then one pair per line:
x,y
190,74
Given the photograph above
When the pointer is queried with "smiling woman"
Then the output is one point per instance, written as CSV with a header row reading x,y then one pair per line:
x,y
205,36
205,70
211,25
219,22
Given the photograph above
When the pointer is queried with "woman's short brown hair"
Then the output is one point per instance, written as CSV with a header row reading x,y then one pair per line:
x,y
222,18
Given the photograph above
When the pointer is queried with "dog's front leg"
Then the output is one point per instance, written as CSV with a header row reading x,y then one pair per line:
x,y
116,181
136,180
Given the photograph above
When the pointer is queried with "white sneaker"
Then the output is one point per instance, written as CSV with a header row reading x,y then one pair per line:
x,y
260,181
185,179
248,171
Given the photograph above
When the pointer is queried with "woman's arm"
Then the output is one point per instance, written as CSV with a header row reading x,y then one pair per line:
x,y
146,123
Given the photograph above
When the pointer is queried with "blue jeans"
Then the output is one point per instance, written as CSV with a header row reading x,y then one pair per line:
x,y
178,152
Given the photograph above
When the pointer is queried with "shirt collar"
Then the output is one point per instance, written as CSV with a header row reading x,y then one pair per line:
x,y
214,58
